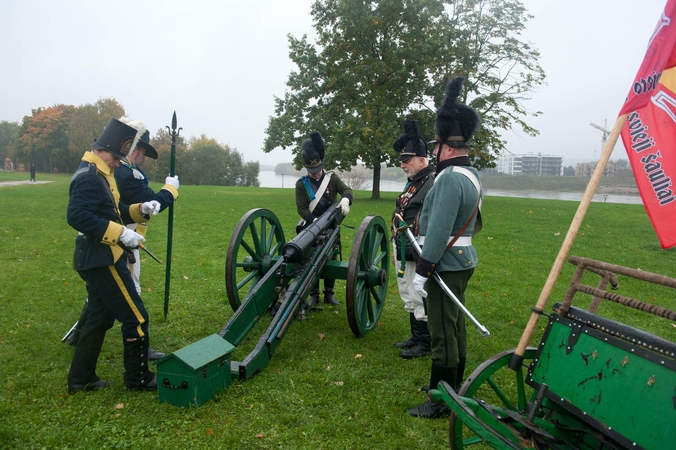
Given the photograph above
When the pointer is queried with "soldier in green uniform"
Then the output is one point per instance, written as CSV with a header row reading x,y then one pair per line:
x,y
316,192
449,217
420,177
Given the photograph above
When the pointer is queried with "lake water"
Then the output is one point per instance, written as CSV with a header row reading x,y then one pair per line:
x,y
269,178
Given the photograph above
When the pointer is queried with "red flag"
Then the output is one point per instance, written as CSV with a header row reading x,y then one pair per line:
x,y
649,135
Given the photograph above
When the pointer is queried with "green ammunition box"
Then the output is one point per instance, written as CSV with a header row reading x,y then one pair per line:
x,y
194,374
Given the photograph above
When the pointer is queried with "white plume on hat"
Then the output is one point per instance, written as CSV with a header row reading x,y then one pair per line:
x,y
140,129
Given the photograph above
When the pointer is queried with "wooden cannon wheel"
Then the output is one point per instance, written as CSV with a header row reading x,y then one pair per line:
x,y
257,238
494,382
367,275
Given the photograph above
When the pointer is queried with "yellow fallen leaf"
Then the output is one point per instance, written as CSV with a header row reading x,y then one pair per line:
x,y
119,406
210,431
260,435
185,278
321,336
557,234
328,367
339,383
358,356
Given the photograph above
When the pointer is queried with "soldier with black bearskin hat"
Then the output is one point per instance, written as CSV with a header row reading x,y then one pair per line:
x,y
101,260
449,217
420,177
316,192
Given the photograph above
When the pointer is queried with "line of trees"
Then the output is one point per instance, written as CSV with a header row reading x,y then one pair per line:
x,y
55,138
375,63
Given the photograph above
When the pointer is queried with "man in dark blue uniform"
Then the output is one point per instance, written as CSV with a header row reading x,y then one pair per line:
x,y
101,250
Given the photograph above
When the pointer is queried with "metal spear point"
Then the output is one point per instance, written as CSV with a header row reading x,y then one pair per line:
x,y
170,221
482,329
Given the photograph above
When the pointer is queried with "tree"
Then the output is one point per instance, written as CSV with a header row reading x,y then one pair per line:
x,y
43,138
375,63
569,171
209,163
9,134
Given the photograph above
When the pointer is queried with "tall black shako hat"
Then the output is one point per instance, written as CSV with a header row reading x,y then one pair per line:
x,y
455,123
144,139
117,138
313,152
410,143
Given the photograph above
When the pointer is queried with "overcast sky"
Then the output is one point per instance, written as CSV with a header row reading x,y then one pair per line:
x,y
219,64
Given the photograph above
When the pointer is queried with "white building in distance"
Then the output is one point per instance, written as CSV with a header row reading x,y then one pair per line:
x,y
530,164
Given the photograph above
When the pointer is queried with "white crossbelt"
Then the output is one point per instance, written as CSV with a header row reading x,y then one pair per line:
x,y
463,241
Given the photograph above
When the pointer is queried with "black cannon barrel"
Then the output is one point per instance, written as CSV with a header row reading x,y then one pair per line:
x,y
297,249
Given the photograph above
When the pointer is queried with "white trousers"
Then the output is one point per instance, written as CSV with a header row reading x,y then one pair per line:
x,y
413,302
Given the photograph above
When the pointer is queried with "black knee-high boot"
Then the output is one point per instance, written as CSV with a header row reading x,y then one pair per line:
x,y
82,375
430,409
410,342
423,342
137,375
329,299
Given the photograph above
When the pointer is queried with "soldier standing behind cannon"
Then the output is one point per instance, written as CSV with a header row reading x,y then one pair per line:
x,y
420,177
101,250
315,193
449,217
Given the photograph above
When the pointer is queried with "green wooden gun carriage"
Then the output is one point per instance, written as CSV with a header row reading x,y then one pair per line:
x,y
263,271
591,383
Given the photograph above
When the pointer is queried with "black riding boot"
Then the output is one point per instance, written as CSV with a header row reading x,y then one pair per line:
x,y
423,341
137,375
430,409
314,297
410,342
82,375
73,335
329,299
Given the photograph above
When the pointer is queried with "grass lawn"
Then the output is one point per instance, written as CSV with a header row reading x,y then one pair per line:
x,y
314,394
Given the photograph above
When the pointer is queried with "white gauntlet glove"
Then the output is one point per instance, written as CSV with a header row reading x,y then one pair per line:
x,y
137,174
130,238
344,206
151,208
172,181
419,285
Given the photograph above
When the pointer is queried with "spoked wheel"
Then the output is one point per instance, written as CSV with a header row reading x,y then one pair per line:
x,y
367,275
256,240
496,384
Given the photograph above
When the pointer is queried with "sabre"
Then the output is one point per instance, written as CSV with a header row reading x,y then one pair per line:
x,y
145,249
482,329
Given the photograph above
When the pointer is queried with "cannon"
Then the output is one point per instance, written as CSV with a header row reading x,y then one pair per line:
x,y
263,271
591,383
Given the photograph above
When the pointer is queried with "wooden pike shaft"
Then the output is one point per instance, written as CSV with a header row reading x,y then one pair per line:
x,y
570,237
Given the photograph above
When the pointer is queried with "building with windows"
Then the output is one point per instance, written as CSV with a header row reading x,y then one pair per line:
x,y
530,164
587,169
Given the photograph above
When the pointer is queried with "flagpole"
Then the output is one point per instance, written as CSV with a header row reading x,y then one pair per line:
x,y
517,358
170,220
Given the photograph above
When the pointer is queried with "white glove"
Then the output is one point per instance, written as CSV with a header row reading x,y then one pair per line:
x,y
137,174
419,285
344,205
172,181
130,238
151,207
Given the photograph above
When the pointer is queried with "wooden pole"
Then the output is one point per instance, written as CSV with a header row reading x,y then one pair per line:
x,y
517,358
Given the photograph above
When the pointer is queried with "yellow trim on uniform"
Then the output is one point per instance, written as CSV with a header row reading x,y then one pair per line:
x,y
135,213
172,189
142,229
127,297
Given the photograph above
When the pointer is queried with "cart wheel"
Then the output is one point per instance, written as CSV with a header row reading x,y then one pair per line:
x,y
367,275
497,384
256,240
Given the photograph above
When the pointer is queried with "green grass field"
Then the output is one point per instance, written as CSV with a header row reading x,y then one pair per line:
x,y
314,393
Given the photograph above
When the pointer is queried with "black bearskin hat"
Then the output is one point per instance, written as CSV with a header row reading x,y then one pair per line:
x,y
313,152
410,143
118,138
455,123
